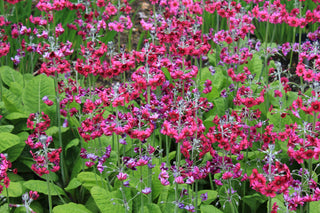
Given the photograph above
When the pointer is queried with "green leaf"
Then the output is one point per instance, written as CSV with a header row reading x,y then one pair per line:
x,y
42,187
16,115
151,208
254,201
314,207
6,128
157,187
167,74
278,121
15,151
280,203
71,207
73,184
72,143
4,208
219,107
11,101
165,199
212,195
16,88
209,209
15,189
211,96
34,91
107,201
9,75
171,156
90,179
8,140
255,65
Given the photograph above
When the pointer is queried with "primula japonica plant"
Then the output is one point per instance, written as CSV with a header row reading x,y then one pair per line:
x,y
192,106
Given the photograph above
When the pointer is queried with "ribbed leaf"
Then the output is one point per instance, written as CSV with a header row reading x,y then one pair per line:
x,y
71,207
90,179
34,91
9,75
15,189
106,201
41,186
8,140
209,209
6,128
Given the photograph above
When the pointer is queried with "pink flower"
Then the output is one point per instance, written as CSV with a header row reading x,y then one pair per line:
x,y
122,176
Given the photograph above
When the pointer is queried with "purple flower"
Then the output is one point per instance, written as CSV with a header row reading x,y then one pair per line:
x,y
181,205
65,123
204,196
146,190
123,141
224,93
189,208
126,183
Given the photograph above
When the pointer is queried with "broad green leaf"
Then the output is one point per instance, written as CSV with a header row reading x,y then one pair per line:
x,y
4,208
156,184
254,201
16,88
90,179
77,166
212,195
15,151
219,107
314,207
16,115
72,143
151,208
15,189
53,130
6,128
9,75
34,91
209,209
166,199
91,205
170,157
42,187
281,206
212,59
73,184
255,65
211,96
278,121
71,207
8,140
11,101
107,201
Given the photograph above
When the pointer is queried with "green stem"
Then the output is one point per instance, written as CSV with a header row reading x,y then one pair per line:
x,y
266,56
141,194
167,149
63,173
8,199
2,7
49,193
269,204
124,198
196,203
176,184
211,181
293,39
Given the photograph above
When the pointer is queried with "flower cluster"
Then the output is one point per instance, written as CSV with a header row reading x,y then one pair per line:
x,y
47,159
